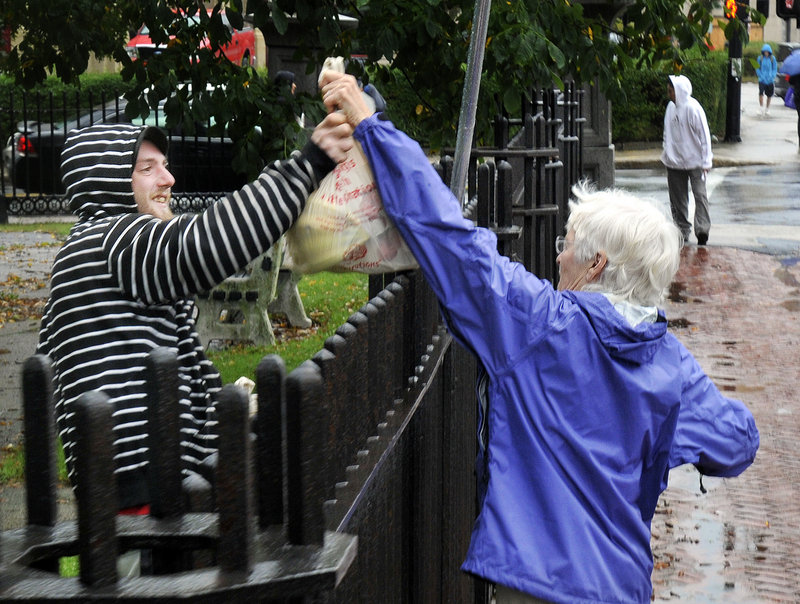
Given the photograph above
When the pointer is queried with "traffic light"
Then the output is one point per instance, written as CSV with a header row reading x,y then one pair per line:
x,y
787,9
762,6
732,8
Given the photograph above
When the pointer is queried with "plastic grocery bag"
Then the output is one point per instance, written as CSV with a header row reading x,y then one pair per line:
x,y
344,226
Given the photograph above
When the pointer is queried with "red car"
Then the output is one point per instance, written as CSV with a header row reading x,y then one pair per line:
x,y
241,49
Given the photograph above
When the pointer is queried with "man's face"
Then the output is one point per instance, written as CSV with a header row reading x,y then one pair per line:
x,y
671,92
152,182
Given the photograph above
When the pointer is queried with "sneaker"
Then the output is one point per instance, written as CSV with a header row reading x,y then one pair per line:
x,y
702,238
766,111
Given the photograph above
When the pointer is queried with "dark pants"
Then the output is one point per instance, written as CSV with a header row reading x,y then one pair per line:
x,y
797,108
678,183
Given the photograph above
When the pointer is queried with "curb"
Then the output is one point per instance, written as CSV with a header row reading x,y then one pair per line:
x,y
636,163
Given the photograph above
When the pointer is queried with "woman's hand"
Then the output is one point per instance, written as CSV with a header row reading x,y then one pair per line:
x,y
340,92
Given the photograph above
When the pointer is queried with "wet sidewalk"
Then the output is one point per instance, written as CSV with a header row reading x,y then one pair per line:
x,y
738,312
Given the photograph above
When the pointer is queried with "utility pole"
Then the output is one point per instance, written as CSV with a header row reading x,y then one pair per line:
x,y
733,106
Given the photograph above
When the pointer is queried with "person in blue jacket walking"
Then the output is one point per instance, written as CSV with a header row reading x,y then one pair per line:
x,y
586,400
766,72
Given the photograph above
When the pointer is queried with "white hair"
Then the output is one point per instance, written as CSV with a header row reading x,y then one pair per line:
x,y
641,243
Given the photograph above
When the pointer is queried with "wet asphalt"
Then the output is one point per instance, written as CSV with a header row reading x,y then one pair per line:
x,y
735,304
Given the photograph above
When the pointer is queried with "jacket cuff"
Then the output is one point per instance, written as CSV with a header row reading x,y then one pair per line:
x,y
319,160
367,122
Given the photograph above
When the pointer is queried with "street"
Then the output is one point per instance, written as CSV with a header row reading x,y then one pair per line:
x,y
753,207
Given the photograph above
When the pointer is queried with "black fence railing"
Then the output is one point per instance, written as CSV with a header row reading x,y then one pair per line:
x,y
522,185
30,178
368,446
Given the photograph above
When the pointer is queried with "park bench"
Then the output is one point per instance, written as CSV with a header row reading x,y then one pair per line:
x,y
238,308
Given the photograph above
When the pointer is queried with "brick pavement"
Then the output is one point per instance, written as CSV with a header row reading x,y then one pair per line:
x,y
739,314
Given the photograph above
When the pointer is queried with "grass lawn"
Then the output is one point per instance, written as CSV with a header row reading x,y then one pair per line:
x,y
328,298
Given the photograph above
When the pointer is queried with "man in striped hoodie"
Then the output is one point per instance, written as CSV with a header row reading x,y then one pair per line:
x,y
123,282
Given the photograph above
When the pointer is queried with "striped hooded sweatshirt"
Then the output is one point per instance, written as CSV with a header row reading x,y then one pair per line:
x,y
123,284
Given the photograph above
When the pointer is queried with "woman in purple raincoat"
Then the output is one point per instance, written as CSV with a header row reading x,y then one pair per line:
x,y
591,400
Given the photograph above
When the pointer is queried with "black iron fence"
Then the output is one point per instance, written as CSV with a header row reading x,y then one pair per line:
x,y
361,484
33,131
522,185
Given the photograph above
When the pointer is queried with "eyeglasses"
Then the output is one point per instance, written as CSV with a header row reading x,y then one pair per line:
x,y
562,243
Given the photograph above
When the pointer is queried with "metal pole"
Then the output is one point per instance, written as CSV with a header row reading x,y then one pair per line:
x,y
469,98
733,106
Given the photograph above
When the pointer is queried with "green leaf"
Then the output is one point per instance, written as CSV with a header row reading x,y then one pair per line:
x,y
279,19
556,55
235,18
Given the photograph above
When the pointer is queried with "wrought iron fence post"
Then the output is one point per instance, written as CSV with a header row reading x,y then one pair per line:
x,y
40,437
271,388
304,441
164,474
96,490
235,481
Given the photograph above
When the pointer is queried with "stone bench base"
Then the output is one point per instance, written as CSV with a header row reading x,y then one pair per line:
x,y
238,308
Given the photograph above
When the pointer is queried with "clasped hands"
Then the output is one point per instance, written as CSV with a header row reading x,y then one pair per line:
x,y
346,108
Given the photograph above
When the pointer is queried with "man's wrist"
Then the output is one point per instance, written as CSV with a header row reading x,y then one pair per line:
x,y
319,160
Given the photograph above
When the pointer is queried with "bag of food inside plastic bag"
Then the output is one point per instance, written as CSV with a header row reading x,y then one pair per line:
x,y
344,226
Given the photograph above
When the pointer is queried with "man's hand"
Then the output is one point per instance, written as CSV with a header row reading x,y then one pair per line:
x,y
334,136
340,92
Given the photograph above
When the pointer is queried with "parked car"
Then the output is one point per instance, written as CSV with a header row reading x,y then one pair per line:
x,y
241,49
199,162
781,79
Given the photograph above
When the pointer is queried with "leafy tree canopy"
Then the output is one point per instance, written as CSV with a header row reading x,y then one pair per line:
x,y
416,49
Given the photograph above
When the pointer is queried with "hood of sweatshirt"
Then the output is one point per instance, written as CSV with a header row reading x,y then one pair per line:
x,y
683,88
766,48
97,164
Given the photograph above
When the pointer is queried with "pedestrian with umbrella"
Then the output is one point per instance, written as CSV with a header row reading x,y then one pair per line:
x,y
791,67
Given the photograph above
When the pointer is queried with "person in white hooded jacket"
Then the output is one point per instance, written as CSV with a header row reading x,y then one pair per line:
x,y
687,157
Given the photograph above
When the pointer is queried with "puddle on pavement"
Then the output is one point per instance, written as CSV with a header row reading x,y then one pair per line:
x,y
791,305
677,295
786,277
708,538
676,292
746,388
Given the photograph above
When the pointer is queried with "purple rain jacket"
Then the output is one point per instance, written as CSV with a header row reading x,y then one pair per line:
x,y
587,414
